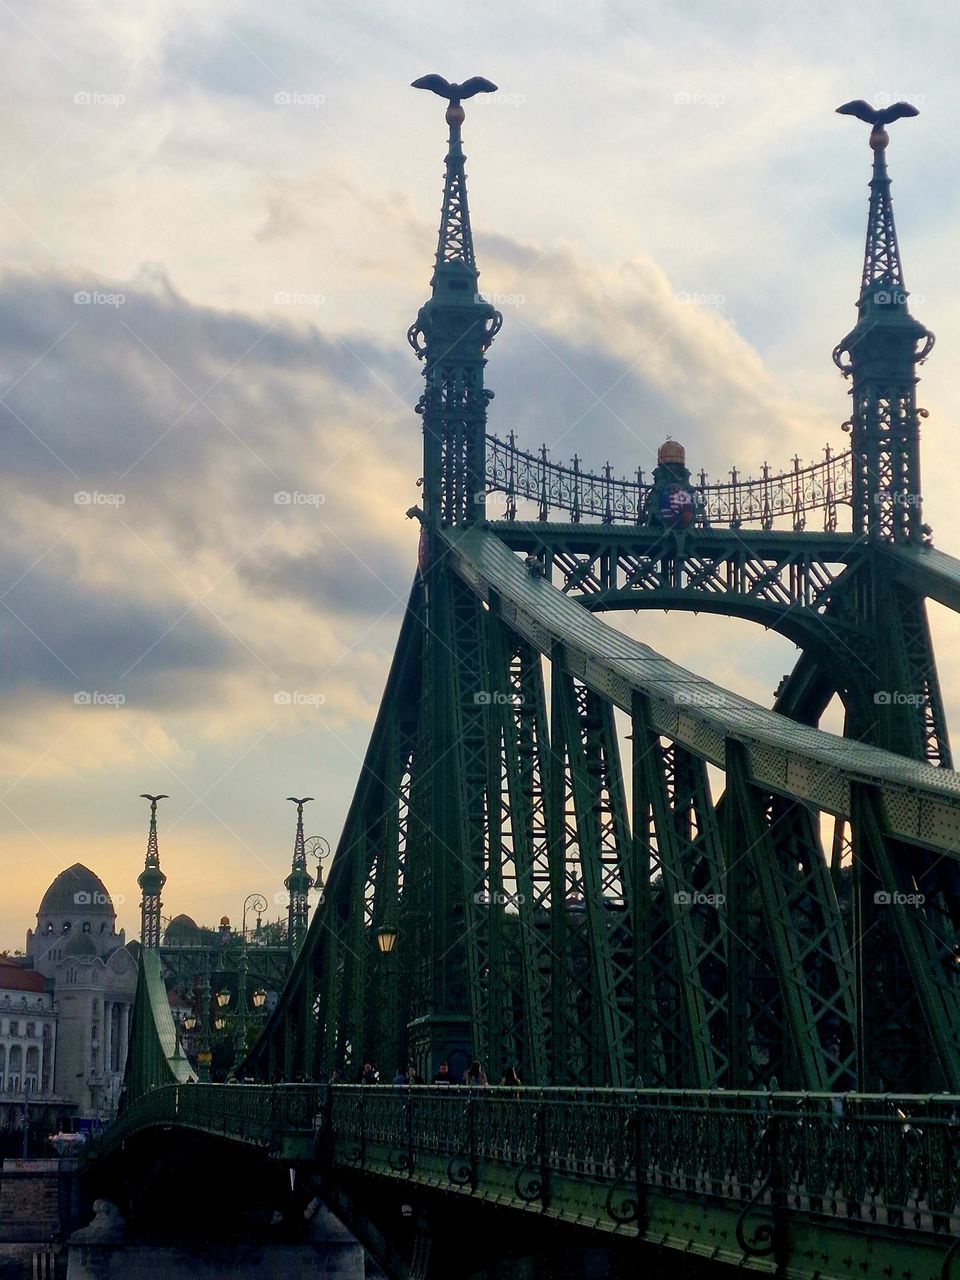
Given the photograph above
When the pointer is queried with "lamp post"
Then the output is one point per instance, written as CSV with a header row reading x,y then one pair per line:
x,y
318,847
203,1058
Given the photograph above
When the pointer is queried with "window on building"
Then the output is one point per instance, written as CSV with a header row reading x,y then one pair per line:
x,y
31,1030
14,1028
86,926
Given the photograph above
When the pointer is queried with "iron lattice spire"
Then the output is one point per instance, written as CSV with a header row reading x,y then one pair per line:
x,y
452,332
298,884
880,355
151,881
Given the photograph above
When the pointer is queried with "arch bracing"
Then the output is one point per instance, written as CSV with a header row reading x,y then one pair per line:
x,y
613,914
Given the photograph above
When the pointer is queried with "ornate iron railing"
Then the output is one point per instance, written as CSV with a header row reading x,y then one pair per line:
x,y
893,1161
584,495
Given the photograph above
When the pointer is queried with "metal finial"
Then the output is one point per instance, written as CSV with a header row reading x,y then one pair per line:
x,y
877,117
454,93
154,800
299,803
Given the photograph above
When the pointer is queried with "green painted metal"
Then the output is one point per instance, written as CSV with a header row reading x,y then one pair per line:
x,y
662,928
810,1185
155,1057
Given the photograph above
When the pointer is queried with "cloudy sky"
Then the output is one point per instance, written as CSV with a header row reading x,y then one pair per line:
x,y
218,222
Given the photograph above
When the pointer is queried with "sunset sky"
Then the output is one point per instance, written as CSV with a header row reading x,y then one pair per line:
x,y
218,221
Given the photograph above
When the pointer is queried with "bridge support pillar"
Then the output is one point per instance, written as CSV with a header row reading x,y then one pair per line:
x,y
440,1037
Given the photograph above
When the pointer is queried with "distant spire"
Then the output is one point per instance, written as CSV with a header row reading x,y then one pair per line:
x,y
451,334
151,881
455,242
880,355
298,884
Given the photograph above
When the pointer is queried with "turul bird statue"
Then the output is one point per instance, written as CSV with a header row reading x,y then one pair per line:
x,y
878,117
455,93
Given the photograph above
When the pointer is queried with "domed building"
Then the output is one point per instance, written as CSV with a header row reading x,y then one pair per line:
x,y
92,976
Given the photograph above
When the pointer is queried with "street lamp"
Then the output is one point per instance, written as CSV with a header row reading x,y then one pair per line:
x,y
190,1022
386,937
223,999
259,998
219,1023
317,847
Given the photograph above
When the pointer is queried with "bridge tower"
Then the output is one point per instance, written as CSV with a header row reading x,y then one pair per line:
x,y
451,334
151,881
880,355
298,884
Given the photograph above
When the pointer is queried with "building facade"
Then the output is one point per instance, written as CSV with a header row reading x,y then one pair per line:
x,y
91,976
28,1045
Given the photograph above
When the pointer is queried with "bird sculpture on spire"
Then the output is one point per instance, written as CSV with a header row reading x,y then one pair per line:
x,y
455,93
878,117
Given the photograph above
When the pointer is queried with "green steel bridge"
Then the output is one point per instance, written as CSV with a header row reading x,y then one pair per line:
x,y
720,943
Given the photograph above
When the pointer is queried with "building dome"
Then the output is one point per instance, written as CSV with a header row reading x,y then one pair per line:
x,y
181,931
672,451
77,891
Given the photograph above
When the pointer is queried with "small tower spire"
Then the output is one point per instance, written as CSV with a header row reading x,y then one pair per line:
x,y
880,355
452,332
151,881
298,884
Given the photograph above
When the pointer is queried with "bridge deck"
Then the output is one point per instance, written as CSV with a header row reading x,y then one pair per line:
x,y
921,803
833,1184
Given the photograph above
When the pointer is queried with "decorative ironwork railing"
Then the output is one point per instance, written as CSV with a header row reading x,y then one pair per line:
x,y
585,495
889,1160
